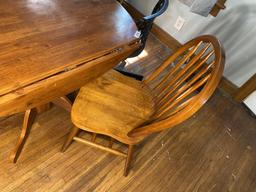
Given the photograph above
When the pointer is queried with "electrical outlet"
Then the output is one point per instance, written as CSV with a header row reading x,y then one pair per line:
x,y
179,23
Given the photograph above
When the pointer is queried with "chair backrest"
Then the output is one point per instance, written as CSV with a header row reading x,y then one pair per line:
x,y
145,24
183,83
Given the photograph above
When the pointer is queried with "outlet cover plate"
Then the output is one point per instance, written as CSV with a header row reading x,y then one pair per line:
x,y
179,23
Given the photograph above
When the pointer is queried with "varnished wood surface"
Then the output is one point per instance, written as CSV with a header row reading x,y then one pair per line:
x,y
51,48
183,83
211,152
28,121
214,151
130,110
225,85
228,87
42,38
248,88
162,35
220,5
60,84
121,103
112,105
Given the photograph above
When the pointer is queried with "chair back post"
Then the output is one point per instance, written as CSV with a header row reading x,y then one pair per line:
x,y
145,24
196,69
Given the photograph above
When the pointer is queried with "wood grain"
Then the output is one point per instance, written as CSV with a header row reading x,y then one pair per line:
x,y
213,151
197,85
248,88
48,89
173,44
120,102
27,124
228,87
41,38
51,48
63,102
162,35
129,110
220,5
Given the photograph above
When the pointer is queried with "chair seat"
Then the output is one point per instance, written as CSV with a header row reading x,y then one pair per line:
x,y
113,105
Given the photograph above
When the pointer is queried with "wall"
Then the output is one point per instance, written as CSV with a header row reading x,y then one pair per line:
x,y
235,27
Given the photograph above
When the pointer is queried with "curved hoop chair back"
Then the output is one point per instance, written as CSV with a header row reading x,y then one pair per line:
x,y
145,24
183,83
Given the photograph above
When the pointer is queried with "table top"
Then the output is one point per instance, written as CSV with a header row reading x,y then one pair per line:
x,y
40,38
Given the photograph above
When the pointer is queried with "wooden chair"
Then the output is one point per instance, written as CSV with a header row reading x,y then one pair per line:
x,y
128,110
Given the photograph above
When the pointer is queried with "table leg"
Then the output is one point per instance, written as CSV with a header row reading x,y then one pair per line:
x,y
43,108
29,117
27,124
63,102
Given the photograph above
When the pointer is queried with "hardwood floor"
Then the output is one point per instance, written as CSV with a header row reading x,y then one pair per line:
x,y
213,151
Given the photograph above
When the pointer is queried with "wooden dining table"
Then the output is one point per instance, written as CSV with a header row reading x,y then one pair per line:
x,y
49,48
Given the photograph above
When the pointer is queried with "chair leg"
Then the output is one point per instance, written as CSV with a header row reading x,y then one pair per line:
x,y
128,160
43,108
27,124
71,135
